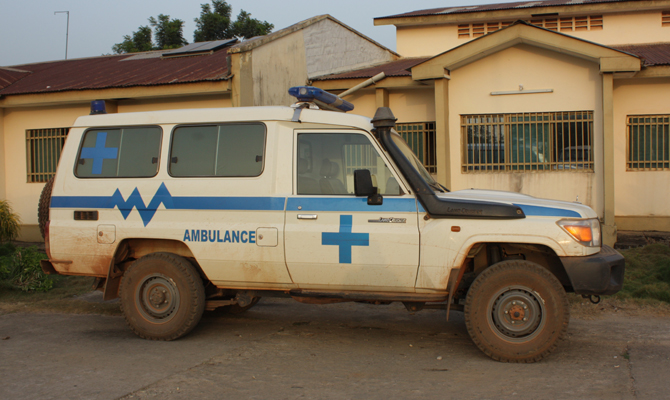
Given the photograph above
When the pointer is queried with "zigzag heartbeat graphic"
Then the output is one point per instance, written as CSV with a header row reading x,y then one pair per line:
x,y
135,201
163,196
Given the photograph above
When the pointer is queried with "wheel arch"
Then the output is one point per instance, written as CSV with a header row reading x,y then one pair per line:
x,y
131,249
481,255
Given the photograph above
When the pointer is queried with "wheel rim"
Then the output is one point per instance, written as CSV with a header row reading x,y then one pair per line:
x,y
516,314
157,298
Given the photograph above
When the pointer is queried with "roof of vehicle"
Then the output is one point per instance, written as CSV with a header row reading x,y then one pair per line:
x,y
213,115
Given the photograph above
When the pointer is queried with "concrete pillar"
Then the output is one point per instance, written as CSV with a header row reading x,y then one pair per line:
x,y
382,97
242,79
609,227
442,140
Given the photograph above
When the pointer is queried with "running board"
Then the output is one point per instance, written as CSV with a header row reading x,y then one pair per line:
x,y
371,296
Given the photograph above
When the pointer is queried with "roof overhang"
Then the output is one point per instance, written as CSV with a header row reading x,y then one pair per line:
x,y
521,12
221,88
609,60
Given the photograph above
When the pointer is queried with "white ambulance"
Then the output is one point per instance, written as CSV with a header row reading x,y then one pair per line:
x,y
180,211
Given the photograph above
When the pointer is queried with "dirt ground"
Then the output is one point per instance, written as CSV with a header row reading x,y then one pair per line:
x,y
282,349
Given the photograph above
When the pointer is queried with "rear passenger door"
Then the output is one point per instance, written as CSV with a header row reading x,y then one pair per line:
x,y
335,240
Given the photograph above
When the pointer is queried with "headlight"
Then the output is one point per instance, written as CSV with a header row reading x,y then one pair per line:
x,y
585,231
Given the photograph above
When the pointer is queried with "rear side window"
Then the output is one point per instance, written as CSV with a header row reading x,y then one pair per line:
x,y
119,153
226,150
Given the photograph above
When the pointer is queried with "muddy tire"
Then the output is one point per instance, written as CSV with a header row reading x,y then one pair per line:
x,y
162,296
43,206
516,311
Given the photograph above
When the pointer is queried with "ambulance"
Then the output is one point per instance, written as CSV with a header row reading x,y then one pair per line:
x,y
180,211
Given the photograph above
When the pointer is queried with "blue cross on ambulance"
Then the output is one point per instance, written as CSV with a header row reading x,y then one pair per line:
x,y
178,212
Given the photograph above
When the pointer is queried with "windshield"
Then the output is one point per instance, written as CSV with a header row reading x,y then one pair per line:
x,y
413,160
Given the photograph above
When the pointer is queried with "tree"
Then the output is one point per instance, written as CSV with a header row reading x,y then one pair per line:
x,y
217,24
248,27
140,41
213,25
9,222
167,33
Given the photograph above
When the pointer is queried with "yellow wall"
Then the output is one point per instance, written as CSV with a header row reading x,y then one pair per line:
x,y
422,41
413,105
577,86
157,104
3,168
639,193
629,28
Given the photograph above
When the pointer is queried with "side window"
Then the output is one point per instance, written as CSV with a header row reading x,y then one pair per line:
x,y
230,150
119,153
327,161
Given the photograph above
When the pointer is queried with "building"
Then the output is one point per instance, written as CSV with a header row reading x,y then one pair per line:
x,y
557,98
40,101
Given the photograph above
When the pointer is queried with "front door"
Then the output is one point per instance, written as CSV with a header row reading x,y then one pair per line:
x,y
335,240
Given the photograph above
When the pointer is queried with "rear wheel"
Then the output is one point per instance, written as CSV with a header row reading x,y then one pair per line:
x,y
516,311
162,296
43,206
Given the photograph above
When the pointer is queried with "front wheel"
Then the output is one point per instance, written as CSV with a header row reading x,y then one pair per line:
x,y
516,311
162,296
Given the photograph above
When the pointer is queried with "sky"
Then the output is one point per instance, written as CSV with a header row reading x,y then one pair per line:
x,y
31,32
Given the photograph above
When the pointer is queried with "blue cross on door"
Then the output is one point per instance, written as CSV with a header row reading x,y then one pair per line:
x,y
99,153
345,239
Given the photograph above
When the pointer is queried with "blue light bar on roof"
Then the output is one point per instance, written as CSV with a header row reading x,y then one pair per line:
x,y
311,93
98,107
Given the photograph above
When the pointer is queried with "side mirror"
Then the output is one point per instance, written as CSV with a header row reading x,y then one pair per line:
x,y
363,187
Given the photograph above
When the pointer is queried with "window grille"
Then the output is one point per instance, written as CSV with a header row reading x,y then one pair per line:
x,y
43,148
583,23
420,136
518,142
665,18
648,143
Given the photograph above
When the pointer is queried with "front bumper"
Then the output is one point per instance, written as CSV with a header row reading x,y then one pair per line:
x,y
600,274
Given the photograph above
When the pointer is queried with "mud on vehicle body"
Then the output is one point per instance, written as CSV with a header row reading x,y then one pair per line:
x,y
181,211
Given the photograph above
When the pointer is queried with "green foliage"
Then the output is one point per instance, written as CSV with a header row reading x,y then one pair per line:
x,y
217,24
168,33
647,273
9,222
213,25
21,267
139,41
247,27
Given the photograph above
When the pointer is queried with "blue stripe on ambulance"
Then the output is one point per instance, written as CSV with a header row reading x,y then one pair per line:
x,y
350,204
163,196
539,211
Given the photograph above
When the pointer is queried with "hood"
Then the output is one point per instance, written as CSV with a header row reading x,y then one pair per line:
x,y
531,206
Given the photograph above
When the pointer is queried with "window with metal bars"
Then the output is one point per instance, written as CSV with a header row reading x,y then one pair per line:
x,y
420,136
518,142
583,23
665,18
648,143
43,148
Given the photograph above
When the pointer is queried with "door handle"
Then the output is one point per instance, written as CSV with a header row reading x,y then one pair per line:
x,y
307,216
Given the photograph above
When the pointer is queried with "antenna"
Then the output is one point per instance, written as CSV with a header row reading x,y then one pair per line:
x,y
67,31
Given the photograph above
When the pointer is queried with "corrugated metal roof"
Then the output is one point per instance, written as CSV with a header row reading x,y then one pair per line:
x,y
116,71
394,68
10,75
652,53
497,7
